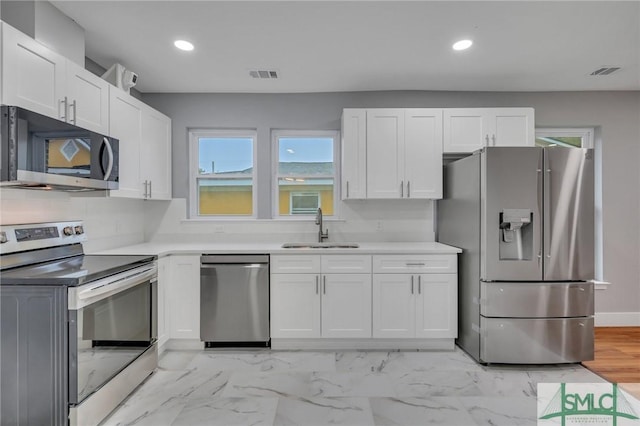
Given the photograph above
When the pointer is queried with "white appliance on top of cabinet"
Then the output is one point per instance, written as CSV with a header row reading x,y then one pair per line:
x,y
43,81
469,129
392,153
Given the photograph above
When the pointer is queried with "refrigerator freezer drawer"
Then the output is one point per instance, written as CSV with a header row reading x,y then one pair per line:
x,y
536,299
536,341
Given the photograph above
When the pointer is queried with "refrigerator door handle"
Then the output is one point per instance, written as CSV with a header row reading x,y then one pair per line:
x,y
546,237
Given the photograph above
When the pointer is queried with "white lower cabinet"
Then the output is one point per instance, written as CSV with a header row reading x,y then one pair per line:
x,y
317,304
422,305
412,299
164,279
184,297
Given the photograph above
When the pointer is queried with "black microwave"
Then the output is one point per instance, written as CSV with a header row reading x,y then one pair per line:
x,y
37,151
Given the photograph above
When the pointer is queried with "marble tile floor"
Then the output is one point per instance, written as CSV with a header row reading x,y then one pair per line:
x,y
266,387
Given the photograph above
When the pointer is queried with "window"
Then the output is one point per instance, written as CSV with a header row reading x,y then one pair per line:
x,y
222,173
568,137
305,169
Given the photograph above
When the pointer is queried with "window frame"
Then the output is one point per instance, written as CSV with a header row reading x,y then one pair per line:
x,y
275,172
194,166
586,133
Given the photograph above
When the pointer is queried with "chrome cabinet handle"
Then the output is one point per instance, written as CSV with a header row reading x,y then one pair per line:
x,y
415,264
75,111
411,284
63,115
419,284
401,189
316,284
150,189
486,138
493,139
408,189
324,284
347,189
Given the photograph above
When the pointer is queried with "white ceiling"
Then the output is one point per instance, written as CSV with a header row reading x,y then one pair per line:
x,y
328,46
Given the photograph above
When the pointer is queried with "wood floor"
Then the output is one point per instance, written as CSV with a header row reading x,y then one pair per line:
x,y
617,356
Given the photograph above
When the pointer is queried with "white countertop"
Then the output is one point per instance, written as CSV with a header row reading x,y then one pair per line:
x,y
167,248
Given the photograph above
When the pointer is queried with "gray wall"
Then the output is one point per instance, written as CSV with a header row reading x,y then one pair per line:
x,y
615,114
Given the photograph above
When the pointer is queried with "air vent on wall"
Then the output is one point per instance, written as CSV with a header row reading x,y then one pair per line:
x,y
263,73
605,70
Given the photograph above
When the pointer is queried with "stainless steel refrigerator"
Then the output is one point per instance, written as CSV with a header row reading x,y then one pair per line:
x,y
524,217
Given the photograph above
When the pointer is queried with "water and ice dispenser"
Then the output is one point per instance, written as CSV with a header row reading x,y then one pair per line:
x,y
516,234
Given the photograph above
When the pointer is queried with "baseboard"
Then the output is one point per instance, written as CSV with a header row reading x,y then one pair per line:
x,y
617,319
363,344
184,344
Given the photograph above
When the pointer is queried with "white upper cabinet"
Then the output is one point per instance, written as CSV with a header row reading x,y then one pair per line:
x,y
354,154
126,126
385,140
155,157
88,99
144,136
392,153
469,129
39,79
423,153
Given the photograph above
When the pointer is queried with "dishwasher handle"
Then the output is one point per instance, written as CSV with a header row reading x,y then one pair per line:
x,y
233,259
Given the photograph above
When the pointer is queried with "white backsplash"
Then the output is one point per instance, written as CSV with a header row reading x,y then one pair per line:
x,y
361,221
108,222
116,222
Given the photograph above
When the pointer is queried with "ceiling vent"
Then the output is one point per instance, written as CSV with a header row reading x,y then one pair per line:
x,y
605,70
263,74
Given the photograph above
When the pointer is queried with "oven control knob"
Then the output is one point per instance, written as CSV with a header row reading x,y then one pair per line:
x,y
67,230
79,230
3,237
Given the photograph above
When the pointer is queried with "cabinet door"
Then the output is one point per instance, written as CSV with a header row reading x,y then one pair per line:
x,y
88,97
437,306
465,129
512,127
295,305
354,154
164,279
184,296
385,134
156,154
346,305
423,153
125,124
33,77
394,305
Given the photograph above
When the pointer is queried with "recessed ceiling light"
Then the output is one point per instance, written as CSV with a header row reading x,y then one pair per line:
x,y
183,45
462,44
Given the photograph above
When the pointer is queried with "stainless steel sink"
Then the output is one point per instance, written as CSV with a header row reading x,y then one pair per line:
x,y
319,245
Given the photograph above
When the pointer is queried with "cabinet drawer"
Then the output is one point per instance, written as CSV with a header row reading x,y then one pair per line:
x,y
346,264
425,264
295,264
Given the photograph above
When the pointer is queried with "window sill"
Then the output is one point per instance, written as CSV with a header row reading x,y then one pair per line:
x,y
253,220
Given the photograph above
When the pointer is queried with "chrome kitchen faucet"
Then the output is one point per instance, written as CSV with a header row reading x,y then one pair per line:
x,y
321,235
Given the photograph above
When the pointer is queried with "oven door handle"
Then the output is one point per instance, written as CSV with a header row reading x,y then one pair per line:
x,y
80,297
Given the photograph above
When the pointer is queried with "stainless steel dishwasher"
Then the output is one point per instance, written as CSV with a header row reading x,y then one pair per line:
x,y
234,300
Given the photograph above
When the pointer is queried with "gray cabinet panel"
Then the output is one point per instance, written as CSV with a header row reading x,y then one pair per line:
x,y
33,332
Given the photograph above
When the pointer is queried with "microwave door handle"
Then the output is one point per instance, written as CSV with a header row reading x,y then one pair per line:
x,y
107,173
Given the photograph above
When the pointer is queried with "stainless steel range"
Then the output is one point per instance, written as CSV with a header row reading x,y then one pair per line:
x,y
78,331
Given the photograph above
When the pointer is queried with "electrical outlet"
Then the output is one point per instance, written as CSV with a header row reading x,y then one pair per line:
x,y
379,226
218,229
